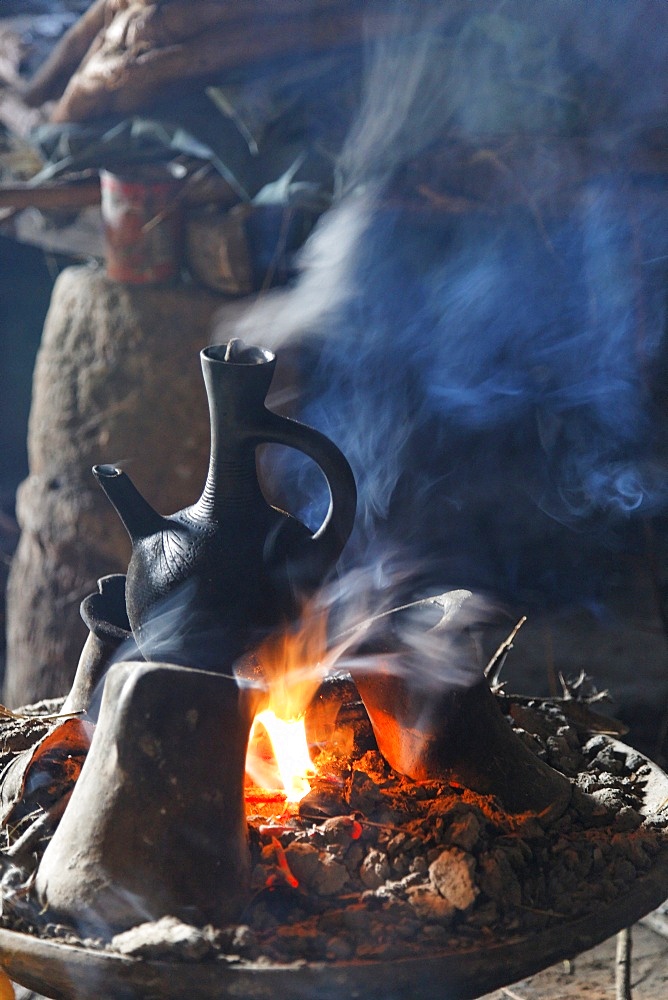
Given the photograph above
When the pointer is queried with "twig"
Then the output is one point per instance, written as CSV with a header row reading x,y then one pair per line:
x,y
77,194
623,965
7,713
29,840
495,665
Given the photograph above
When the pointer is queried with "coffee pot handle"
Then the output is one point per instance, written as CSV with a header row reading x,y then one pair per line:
x,y
335,530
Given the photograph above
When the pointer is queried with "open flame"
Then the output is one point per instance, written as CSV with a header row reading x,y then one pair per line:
x,y
289,766
291,667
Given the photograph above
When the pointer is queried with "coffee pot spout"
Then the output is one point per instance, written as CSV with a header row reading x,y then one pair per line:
x,y
139,518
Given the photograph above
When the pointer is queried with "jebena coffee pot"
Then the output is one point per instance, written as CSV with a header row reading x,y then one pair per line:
x,y
207,583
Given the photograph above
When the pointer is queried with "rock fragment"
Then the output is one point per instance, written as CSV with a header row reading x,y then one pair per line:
x,y
452,874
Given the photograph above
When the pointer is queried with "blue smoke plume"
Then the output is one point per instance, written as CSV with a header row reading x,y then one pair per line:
x,y
490,363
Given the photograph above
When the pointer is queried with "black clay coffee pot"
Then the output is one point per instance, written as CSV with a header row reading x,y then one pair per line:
x,y
206,584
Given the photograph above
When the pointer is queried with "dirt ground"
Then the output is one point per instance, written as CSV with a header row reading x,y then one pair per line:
x,y
591,976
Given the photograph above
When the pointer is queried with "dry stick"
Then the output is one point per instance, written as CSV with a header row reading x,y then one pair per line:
x,y
623,966
29,840
495,665
198,190
50,196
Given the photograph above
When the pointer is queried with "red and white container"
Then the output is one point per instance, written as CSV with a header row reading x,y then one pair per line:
x,y
142,217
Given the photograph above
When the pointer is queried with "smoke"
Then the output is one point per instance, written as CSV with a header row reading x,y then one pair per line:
x,y
478,320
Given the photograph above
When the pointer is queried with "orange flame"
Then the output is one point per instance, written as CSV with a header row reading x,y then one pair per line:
x,y
291,668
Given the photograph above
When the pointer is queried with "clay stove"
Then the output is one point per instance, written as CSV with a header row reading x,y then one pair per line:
x,y
159,832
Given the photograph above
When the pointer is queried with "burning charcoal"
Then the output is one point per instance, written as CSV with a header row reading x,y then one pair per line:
x,y
323,800
375,869
316,870
376,767
341,830
336,719
165,938
303,860
452,875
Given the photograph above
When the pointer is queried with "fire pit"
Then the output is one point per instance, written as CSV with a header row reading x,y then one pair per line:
x,y
396,935
438,838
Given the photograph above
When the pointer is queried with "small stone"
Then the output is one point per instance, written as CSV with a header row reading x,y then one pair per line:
x,y
164,938
595,745
419,865
624,870
395,845
338,949
634,761
401,865
452,875
571,737
531,742
323,801
483,916
317,870
610,760
609,798
330,878
356,918
530,719
375,869
627,819
364,793
430,905
340,830
238,939
304,861
587,805
498,880
435,933
464,832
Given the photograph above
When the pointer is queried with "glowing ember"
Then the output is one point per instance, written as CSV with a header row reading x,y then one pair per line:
x,y
289,765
